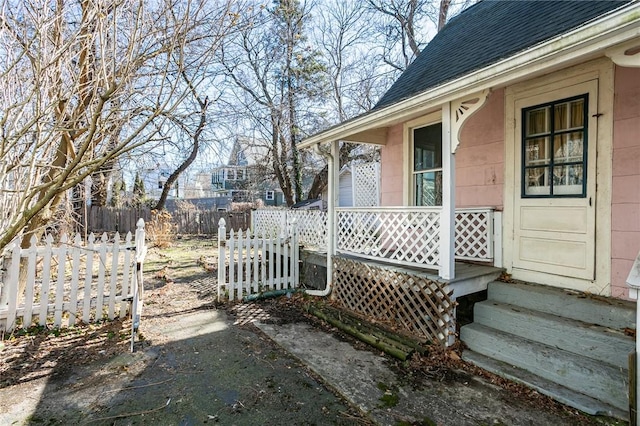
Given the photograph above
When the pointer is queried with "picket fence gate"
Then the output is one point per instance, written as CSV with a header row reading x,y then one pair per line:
x,y
251,264
70,282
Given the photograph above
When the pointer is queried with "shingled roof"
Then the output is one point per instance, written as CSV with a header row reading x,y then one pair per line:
x,y
487,32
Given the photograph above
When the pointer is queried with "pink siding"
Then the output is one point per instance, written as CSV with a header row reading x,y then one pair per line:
x,y
480,156
391,172
625,203
479,159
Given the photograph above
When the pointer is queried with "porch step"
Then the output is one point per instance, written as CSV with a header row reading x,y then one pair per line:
x,y
613,313
558,392
584,375
592,341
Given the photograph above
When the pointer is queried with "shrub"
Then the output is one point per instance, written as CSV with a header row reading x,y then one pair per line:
x,y
160,230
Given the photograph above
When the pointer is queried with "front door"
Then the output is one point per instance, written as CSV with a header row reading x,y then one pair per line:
x,y
555,181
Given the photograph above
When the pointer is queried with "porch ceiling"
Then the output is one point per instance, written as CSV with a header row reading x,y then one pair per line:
x,y
375,136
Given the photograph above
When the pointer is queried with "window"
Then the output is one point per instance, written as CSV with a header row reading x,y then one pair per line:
x,y
554,147
427,165
269,195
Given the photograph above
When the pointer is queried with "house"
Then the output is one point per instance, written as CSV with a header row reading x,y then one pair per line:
x,y
527,112
154,179
245,177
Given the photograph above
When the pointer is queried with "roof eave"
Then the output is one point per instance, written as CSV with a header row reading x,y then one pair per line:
x,y
583,43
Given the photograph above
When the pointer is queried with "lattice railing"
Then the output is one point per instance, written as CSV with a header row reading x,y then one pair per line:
x,y
401,235
366,184
311,225
268,221
420,306
404,235
474,234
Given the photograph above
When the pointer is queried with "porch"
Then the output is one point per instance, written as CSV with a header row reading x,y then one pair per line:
x,y
387,262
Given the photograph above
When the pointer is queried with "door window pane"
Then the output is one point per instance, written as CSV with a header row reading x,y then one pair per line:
x,y
568,115
537,121
567,180
568,147
537,151
537,181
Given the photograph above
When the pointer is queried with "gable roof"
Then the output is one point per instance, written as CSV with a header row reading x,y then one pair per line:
x,y
487,32
248,152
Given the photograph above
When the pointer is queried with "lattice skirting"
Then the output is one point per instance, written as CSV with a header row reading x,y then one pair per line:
x,y
417,305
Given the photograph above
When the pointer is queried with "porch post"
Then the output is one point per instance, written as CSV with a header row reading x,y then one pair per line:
x,y
633,281
332,203
447,215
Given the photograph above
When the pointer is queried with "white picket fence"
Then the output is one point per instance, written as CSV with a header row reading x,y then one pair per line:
x,y
71,282
254,264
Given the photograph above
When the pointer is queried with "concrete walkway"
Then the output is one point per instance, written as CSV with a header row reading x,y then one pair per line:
x,y
363,377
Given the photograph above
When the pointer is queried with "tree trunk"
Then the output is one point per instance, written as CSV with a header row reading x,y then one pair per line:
x,y
443,12
320,182
160,205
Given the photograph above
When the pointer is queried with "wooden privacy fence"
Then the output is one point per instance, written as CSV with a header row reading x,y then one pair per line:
x,y
250,265
70,282
194,222
206,221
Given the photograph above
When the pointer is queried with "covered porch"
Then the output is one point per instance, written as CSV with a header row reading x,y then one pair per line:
x,y
387,261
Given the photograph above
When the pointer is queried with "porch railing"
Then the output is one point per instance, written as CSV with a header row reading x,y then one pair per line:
x,y
397,234
476,230
311,225
402,235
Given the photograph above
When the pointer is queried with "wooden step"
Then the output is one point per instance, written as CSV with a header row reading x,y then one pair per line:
x,y
595,379
558,392
608,312
593,341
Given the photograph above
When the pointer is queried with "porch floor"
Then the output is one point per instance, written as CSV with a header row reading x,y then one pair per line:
x,y
469,277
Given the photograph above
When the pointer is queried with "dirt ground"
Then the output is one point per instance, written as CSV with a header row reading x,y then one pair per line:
x,y
198,362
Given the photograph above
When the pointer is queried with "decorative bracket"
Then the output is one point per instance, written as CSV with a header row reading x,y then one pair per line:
x,y
461,110
626,55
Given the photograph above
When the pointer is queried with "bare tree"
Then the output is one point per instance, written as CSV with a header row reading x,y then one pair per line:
x,y
398,24
82,83
188,125
276,74
354,78
404,25
193,135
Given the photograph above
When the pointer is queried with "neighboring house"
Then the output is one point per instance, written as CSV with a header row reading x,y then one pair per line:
x,y
155,178
244,177
531,108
